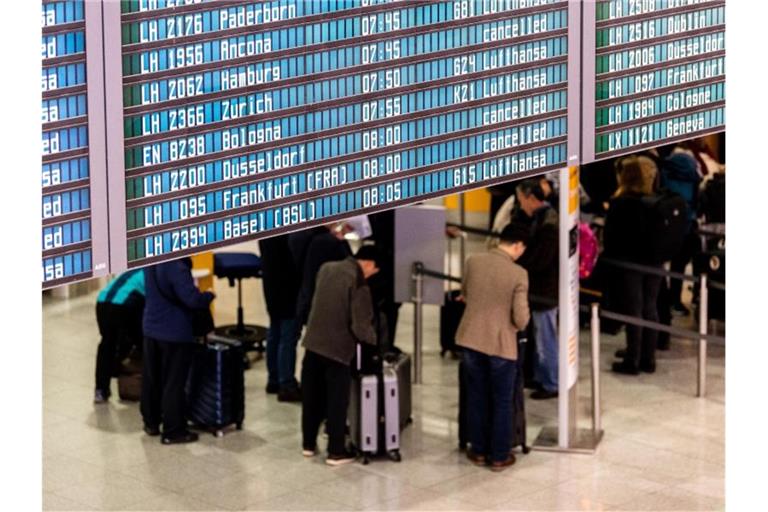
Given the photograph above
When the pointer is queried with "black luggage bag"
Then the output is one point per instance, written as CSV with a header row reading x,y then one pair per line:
x,y
519,436
216,386
450,317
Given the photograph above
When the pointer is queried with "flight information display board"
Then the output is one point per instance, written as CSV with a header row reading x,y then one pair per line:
x,y
657,74
245,119
68,227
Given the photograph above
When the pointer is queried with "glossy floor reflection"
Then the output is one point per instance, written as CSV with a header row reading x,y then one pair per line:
x,y
663,448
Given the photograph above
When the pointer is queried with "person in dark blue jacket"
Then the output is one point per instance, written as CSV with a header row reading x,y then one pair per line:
x,y
119,310
680,174
171,297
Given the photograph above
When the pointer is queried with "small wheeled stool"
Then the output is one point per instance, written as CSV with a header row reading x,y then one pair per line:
x,y
236,266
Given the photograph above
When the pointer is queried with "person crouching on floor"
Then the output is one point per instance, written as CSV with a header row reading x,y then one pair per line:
x,y
341,316
495,290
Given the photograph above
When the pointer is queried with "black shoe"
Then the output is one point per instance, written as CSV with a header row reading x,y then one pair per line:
x,y
338,460
625,369
680,310
621,353
532,385
188,437
648,368
289,395
100,397
272,389
543,394
151,431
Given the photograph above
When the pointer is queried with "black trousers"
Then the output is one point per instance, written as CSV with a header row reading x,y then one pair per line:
x,y
664,306
325,396
120,330
165,371
639,295
679,262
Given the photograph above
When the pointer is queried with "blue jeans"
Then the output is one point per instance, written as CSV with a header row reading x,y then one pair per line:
x,y
282,336
545,324
490,388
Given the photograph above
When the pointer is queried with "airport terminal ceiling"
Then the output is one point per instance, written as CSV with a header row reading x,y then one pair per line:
x,y
174,127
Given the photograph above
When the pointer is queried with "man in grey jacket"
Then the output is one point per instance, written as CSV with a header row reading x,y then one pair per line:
x,y
495,290
340,317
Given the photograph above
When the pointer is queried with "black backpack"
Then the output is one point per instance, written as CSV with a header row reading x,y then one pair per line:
x,y
668,225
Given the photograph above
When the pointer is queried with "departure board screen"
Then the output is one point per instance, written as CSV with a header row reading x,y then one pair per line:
x,y
659,74
66,214
244,119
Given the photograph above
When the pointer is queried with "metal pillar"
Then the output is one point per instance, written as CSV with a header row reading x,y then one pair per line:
x,y
701,388
418,294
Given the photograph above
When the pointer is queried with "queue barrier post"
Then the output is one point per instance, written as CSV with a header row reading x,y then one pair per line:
x,y
418,295
701,388
597,422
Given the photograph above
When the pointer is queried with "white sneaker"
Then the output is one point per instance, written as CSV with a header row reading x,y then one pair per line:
x,y
308,453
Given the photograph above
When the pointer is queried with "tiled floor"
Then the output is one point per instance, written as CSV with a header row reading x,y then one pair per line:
x,y
663,448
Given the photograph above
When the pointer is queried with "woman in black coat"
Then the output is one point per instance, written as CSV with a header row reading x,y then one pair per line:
x,y
627,238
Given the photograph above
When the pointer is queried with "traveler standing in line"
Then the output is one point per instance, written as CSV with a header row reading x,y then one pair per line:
x,y
280,280
382,285
119,310
495,290
341,316
311,251
627,237
169,347
680,174
541,261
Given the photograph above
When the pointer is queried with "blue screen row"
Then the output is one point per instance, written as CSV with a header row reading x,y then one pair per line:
x,y
65,139
55,205
658,105
63,44
661,53
615,9
66,107
660,27
59,77
66,234
257,14
409,188
332,60
66,265
671,76
65,171
57,13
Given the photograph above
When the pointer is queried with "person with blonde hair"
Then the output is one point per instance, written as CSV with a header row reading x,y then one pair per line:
x,y
627,238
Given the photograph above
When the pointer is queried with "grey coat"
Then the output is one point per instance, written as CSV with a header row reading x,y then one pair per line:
x,y
496,292
342,312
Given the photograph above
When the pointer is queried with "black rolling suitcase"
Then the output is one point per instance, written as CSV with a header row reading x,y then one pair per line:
x,y
450,317
519,436
216,386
